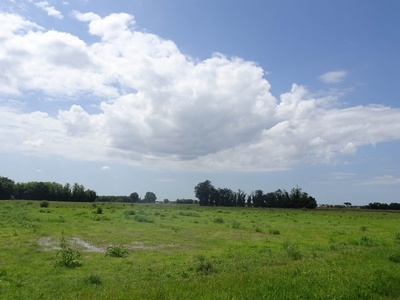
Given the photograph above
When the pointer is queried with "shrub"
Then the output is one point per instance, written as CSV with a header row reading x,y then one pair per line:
x,y
67,257
44,203
99,211
116,251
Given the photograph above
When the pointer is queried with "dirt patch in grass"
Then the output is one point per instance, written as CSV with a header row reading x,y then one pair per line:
x,y
49,243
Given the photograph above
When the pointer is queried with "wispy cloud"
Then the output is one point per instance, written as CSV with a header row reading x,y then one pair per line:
x,y
105,168
50,10
333,77
382,180
343,175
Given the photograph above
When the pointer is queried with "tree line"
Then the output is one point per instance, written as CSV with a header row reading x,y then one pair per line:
x,y
38,190
378,205
134,197
208,195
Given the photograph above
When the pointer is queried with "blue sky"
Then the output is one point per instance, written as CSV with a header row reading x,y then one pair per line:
x,y
125,96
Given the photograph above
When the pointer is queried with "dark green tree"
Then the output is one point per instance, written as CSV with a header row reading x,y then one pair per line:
x,y
204,191
78,193
257,198
150,197
240,198
134,197
6,188
90,196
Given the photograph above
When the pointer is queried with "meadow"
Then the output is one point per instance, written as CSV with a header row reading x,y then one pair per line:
x,y
170,251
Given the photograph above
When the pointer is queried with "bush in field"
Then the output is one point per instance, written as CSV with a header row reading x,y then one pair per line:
x,y
67,257
44,204
99,210
116,251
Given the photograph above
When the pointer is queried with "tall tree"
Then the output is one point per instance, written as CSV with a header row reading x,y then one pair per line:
x,y
134,197
6,188
150,197
204,192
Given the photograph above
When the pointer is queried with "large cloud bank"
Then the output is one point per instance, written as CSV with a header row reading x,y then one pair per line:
x,y
159,107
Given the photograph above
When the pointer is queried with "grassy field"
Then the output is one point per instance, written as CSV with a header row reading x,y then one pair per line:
x,y
170,251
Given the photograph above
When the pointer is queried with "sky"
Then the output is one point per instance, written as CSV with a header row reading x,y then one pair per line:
x,y
156,95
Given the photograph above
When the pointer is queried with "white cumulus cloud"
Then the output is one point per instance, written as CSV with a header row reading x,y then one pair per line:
x,y
158,107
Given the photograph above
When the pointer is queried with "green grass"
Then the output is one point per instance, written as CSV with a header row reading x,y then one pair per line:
x,y
170,251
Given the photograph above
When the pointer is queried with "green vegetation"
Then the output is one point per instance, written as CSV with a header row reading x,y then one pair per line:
x,y
170,251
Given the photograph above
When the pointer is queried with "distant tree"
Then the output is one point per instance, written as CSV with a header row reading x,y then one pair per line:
x,y
347,203
90,196
257,198
166,201
134,197
240,198
6,188
150,197
78,193
205,192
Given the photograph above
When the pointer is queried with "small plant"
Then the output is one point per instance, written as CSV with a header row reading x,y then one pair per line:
x,y
235,225
99,210
116,251
274,231
143,219
67,257
219,220
204,266
363,228
395,257
44,204
93,279
259,230
366,241
292,250
397,237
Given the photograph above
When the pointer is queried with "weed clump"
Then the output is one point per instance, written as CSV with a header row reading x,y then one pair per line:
x,y
395,257
397,237
274,231
219,220
66,256
93,279
116,251
292,250
143,219
204,266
